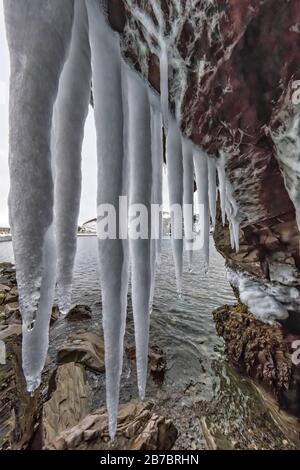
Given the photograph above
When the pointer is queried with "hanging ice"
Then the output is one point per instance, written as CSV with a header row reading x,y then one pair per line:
x,y
175,184
69,119
201,170
140,170
156,197
188,196
164,83
212,188
222,186
113,258
37,51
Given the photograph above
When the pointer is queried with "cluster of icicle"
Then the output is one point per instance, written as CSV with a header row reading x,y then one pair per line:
x,y
57,48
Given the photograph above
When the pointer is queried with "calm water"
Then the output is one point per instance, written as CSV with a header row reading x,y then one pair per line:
x,y
200,389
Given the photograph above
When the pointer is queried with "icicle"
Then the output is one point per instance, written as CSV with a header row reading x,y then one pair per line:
x,y
37,51
74,87
113,256
222,186
188,196
140,170
164,83
212,189
201,170
175,183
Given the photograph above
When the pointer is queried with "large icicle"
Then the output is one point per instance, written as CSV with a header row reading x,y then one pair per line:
x,y
212,188
157,196
175,184
38,36
201,170
188,196
113,253
69,120
164,82
222,186
140,170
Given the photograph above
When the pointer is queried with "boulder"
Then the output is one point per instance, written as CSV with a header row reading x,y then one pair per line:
x,y
79,312
138,429
68,402
157,362
84,348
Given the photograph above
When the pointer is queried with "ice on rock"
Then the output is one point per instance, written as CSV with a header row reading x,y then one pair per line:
x,y
188,196
38,50
113,253
212,188
69,120
175,184
201,171
261,300
140,192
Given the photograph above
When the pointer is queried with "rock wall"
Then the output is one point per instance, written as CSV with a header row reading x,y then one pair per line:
x,y
233,72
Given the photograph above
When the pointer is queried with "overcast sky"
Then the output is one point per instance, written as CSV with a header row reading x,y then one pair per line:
x,y
89,184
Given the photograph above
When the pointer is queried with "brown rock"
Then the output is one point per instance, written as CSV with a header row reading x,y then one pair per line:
x,y
68,403
84,348
138,429
157,362
79,312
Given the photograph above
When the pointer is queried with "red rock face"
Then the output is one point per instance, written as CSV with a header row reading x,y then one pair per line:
x,y
231,65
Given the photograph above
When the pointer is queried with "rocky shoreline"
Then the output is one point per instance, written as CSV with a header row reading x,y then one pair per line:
x,y
60,414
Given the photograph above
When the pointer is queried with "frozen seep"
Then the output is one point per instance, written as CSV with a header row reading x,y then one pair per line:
x,y
188,197
201,171
140,192
164,83
37,53
287,142
113,253
70,112
175,184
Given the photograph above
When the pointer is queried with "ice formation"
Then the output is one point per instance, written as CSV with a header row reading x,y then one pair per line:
x,y
69,120
261,300
113,253
175,184
201,171
128,119
140,192
188,196
287,142
37,53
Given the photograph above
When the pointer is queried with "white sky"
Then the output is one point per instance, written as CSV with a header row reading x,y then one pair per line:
x,y
89,174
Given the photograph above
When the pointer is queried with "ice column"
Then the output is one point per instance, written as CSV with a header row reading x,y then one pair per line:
x,y
201,170
140,189
38,36
164,83
175,184
212,188
188,196
113,253
70,113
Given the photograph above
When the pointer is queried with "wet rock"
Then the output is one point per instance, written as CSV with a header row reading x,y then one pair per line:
x,y
54,315
138,429
12,296
157,362
68,404
79,312
263,352
84,348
